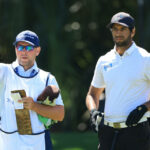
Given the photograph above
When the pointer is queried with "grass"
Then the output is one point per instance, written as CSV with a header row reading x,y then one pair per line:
x,y
74,141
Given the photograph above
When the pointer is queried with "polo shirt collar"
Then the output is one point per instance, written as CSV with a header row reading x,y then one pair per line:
x,y
15,65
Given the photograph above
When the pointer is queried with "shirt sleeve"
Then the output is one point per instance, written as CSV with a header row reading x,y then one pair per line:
x,y
52,81
3,69
147,68
98,79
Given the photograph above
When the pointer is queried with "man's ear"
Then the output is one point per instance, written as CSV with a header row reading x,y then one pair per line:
x,y
38,50
133,32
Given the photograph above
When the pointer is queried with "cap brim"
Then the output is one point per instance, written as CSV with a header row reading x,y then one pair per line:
x,y
23,41
111,24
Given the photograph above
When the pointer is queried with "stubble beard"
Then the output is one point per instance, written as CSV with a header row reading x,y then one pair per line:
x,y
124,43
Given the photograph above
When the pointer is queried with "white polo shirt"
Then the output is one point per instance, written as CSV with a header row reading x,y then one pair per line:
x,y
126,80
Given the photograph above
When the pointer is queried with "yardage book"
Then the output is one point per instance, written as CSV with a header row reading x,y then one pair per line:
x,y
22,114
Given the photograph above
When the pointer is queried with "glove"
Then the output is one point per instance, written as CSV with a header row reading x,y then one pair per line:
x,y
50,91
96,118
136,115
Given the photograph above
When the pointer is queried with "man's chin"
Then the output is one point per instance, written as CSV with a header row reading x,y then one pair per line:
x,y
23,63
120,44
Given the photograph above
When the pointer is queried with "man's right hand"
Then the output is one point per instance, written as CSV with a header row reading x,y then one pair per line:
x,y
95,119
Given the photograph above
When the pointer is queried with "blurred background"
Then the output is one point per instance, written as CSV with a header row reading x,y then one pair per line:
x,y
73,35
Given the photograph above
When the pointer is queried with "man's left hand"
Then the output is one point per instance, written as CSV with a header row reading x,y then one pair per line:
x,y
96,119
135,115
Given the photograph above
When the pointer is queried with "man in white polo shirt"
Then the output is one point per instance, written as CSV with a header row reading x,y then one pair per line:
x,y
24,74
124,74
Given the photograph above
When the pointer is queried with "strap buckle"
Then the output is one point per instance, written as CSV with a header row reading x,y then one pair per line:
x,y
116,125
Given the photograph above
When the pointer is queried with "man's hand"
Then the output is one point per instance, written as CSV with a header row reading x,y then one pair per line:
x,y
135,115
95,119
28,102
50,91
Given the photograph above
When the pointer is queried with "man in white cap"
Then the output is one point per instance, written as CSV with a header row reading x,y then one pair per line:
x,y
124,74
24,74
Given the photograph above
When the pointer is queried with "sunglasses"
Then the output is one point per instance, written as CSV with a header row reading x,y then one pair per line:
x,y
27,48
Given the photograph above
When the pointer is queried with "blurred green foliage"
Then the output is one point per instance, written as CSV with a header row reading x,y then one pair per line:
x,y
74,141
73,35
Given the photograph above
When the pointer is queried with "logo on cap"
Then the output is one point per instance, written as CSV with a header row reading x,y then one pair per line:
x,y
29,37
122,18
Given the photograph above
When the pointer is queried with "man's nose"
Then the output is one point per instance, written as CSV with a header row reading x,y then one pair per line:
x,y
118,32
24,50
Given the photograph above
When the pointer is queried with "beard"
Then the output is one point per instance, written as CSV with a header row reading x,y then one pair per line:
x,y
123,43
